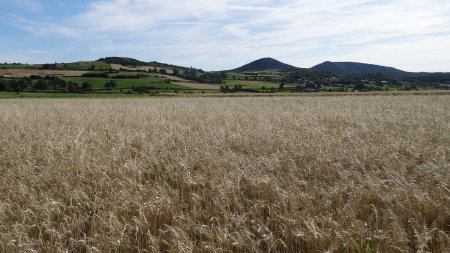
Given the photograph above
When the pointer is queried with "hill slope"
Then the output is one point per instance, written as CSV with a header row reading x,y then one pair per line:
x,y
264,64
343,68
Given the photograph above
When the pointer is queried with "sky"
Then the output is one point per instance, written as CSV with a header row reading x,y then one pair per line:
x,y
223,34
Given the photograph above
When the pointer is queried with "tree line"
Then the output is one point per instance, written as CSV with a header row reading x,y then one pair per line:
x,y
36,83
198,75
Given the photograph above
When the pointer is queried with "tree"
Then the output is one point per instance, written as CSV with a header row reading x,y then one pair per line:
x,y
72,86
86,86
14,84
110,84
59,83
23,84
3,85
163,71
359,87
225,88
41,84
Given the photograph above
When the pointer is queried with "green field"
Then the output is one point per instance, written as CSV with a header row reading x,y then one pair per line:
x,y
150,82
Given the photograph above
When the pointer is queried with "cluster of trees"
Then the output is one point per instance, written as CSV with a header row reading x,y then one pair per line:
x,y
433,78
228,89
201,76
298,74
143,89
96,75
265,77
161,71
35,83
129,76
123,61
110,85
212,77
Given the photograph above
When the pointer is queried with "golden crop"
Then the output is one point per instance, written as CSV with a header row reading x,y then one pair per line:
x,y
302,174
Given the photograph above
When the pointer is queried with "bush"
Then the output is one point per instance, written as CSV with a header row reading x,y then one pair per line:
x,y
72,87
41,84
86,86
96,75
4,85
110,84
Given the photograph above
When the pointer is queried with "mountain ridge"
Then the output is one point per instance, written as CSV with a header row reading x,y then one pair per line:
x,y
345,68
268,63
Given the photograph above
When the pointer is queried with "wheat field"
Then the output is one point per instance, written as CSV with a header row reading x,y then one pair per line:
x,y
301,174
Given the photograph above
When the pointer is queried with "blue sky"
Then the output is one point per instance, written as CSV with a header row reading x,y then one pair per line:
x,y
223,34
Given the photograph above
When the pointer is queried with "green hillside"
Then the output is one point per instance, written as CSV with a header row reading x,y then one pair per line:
x,y
346,68
264,64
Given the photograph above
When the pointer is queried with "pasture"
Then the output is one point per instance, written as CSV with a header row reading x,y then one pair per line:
x,y
150,82
259,174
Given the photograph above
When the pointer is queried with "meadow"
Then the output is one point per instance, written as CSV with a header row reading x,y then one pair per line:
x,y
258,174
150,82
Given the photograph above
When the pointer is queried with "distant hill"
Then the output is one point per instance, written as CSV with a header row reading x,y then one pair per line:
x,y
264,64
345,68
125,61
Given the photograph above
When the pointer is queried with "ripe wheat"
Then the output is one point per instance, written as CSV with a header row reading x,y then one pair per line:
x,y
304,174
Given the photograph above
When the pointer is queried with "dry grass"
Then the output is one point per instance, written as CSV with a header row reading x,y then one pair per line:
x,y
303,174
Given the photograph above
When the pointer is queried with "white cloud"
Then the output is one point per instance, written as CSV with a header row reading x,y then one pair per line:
x,y
219,34
31,5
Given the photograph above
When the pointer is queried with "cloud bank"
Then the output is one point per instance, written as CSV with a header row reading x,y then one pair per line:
x,y
222,34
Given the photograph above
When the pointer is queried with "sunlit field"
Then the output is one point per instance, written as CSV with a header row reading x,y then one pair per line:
x,y
282,174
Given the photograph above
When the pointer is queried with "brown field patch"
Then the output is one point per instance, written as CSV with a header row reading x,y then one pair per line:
x,y
17,73
199,86
191,84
